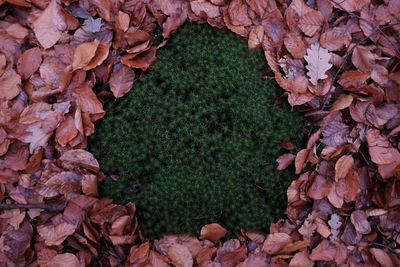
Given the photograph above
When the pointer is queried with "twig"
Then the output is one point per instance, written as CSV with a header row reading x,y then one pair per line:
x,y
47,207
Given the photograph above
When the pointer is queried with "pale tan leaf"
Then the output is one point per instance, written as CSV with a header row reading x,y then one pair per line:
x,y
343,166
49,26
318,63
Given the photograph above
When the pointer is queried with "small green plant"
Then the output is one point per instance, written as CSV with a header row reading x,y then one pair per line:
x,y
195,141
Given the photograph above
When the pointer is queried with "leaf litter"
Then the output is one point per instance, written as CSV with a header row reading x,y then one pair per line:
x,y
339,60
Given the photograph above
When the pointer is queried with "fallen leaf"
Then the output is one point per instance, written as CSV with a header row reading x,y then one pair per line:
x,y
238,13
284,161
141,60
204,9
353,78
343,166
381,257
10,87
54,235
335,39
275,242
64,260
311,22
49,27
320,188
318,63
295,45
379,149
325,251
180,256
363,59
359,220
29,62
121,81
301,259
342,102
213,232
256,37
79,158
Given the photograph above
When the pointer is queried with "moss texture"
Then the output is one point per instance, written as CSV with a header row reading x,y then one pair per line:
x,y
195,141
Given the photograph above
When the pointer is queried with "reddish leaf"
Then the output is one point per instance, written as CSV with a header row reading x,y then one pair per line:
x,y
29,62
256,37
204,9
180,255
79,158
323,252
343,166
50,25
275,242
359,220
284,161
295,45
311,22
121,81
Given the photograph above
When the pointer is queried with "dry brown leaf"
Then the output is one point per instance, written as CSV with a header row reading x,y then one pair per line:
x,y
121,81
213,232
353,78
238,13
180,256
49,26
79,158
301,259
381,257
139,254
335,39
285,160
141,60
65,260
256,37
350,5
274,243
84,53
29,62
360,222
301,160
311,22
254,260
122,21
343,166
379,149
363,59
204,9
54,235
295,45
10,87
325,251
320,188
342,102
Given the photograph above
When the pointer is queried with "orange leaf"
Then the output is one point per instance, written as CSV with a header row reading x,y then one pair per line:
x,y
343,166
213,232
79,158
275,242
295,45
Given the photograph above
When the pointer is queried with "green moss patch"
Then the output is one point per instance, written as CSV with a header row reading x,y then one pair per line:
x,y
195,141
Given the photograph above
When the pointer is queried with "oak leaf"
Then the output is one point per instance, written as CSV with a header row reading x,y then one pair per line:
x,y
318,62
